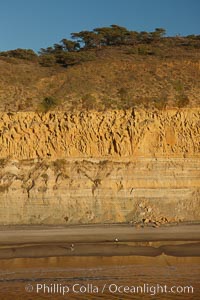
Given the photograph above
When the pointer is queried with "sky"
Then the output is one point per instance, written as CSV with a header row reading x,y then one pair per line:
x,y
35,24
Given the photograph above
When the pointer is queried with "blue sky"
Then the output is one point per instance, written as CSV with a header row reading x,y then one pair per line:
x,y
38,24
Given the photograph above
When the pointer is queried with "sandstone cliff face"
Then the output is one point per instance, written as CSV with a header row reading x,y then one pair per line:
x,y
118,166
114,134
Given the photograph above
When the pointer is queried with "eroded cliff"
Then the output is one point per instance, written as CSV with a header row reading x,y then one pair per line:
x,y
94,167
111,134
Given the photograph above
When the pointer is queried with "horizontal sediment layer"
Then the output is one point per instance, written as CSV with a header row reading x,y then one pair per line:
x,y
100,191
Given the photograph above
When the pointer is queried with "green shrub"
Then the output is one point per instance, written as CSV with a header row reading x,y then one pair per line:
x,y
48,103
47,60
178,86
182,100
27,54
73,58
160,103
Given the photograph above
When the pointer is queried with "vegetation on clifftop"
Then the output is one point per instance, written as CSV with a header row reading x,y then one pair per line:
x,y
70,52
106,68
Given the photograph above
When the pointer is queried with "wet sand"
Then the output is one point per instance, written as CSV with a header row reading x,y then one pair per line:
x,y
95,240
169,255
18,273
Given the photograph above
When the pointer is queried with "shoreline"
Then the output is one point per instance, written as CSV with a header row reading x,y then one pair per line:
x,y
99,240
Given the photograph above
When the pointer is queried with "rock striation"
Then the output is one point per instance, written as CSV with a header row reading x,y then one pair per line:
x,y
112,134
100,167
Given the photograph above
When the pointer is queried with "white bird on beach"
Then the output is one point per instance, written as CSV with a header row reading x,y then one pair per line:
x,y
116,240
72,247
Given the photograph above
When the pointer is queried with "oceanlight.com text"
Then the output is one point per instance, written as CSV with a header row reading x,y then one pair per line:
x,y
112,288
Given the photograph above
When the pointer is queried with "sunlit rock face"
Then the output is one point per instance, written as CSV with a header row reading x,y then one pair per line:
x,y
99,167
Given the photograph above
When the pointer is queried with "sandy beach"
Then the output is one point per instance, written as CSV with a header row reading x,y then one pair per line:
x,y
95,240
31,255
